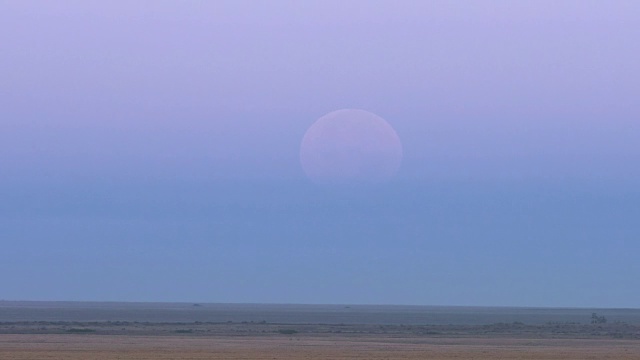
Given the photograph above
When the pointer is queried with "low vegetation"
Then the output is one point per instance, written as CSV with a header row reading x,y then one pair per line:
x,y
557,330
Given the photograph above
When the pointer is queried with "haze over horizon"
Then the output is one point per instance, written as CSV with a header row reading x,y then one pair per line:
x,y
149,151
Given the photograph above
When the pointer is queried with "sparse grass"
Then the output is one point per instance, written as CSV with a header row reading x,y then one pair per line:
x,y
110,347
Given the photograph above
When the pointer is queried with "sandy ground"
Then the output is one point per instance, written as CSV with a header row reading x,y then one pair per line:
x,y
83,346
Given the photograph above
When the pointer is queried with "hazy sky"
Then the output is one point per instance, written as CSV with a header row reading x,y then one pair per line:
x,y
149,152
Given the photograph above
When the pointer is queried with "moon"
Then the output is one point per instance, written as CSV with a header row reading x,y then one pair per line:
x,y
350,146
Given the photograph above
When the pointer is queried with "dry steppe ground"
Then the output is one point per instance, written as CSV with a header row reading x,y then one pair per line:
x,y
90,346
249,340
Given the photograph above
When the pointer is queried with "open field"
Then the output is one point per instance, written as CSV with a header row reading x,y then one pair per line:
x,y
22,347
169,331
618,331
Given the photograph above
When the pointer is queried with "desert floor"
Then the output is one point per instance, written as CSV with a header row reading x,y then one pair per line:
x,y
91,346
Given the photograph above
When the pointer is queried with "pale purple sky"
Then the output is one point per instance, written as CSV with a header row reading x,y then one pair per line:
x,y
112,109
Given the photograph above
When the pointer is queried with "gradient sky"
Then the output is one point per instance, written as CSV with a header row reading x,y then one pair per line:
x,y
149,152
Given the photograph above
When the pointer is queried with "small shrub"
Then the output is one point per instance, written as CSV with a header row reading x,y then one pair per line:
x,y
595,319
287,331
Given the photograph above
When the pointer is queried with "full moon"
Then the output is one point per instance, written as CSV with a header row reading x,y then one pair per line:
x,y
350,146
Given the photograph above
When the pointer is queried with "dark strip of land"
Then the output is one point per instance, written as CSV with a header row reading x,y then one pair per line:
x,y
264,329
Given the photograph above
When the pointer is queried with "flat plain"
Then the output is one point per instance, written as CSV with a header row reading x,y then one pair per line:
x,y
125,331
22,347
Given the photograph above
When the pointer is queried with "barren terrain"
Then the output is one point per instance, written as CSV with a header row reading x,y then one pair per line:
x,y
133,340
76,346
30,330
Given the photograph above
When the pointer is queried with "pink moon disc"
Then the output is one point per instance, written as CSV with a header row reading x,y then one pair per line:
x,y
350,146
